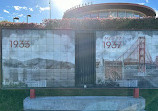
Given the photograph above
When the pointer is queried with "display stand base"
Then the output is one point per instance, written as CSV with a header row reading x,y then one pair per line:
x,y
85,103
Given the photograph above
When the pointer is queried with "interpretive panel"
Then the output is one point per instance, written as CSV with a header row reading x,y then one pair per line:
x,y
38,58
127,59
46,58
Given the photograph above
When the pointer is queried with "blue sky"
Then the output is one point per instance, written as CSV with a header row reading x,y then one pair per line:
x,y
39,9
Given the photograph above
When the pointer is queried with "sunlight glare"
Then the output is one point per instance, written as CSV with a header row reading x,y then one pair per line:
x,y
63,5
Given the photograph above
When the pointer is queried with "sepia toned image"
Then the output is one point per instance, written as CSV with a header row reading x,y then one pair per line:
x,y
38,58
127,58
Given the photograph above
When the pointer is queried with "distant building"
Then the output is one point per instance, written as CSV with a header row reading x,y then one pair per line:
x,y
110,10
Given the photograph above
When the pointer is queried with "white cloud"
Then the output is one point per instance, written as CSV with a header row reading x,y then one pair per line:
x,y
5,11
141,3
25,8
1,18
37,6
147,1
19,8
20,15
31,9
15,14
43,8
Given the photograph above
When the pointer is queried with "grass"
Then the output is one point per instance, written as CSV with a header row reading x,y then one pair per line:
x,y
12,100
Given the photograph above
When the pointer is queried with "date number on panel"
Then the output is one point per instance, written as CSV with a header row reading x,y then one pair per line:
x,y
112,44
19,44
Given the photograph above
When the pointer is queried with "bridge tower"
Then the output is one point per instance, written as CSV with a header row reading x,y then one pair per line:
x,y
157,62
141,47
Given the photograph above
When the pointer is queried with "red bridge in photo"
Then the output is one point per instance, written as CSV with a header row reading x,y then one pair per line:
x,y
137,53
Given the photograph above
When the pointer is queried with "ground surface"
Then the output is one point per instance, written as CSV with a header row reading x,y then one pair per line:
x,y
12,100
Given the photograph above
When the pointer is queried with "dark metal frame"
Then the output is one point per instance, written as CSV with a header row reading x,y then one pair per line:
x,y
4,88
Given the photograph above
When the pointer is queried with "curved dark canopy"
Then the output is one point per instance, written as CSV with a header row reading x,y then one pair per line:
x,y
96,7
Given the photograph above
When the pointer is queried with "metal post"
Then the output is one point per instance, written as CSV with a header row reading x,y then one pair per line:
x,y
50,7
136,93
15,18
32,93
27,19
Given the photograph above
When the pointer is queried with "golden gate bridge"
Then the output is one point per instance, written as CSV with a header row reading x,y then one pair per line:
x,y
134,61
138,54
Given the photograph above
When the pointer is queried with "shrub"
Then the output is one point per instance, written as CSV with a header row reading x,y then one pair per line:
x,y
102,23
88,23
5,24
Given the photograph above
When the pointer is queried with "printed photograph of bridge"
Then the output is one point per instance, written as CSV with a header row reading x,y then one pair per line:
x,y
127,58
